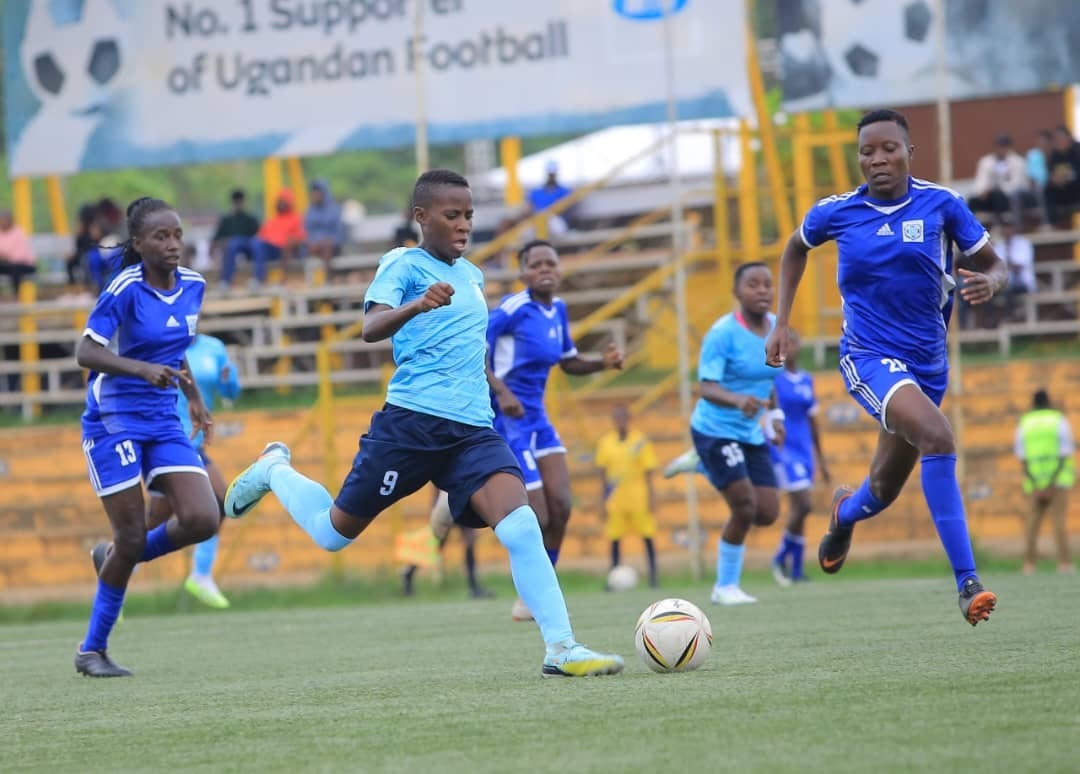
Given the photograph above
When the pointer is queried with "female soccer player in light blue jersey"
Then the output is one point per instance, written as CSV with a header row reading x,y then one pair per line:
x,y
895,273
131,430
726,426
436,425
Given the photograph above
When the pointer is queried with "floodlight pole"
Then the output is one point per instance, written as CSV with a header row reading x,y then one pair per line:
x,y
420,65
945,175
678,249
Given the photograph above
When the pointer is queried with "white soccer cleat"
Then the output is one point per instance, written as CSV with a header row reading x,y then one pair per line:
x,y
247,489
730,595
780,575
519,611
687,462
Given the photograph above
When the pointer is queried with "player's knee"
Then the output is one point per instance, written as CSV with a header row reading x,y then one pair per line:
x,y
885,488
938,440
129,542
199,525
765,518
559,508
744,510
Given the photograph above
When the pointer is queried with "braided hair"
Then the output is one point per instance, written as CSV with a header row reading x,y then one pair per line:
x,y
137,213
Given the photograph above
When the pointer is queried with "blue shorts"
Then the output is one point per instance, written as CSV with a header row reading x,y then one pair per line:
x,y
873,380
530,438
793,474
726,461
403,450
117,461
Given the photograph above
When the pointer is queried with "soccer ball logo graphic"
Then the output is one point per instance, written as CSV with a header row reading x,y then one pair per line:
x,y
72,55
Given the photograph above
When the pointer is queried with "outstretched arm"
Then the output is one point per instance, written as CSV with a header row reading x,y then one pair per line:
x,y
792,266
579,366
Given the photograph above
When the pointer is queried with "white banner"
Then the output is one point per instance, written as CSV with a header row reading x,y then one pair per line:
x,y
122,83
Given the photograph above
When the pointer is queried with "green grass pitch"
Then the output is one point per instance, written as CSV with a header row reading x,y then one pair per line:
x,y
843,675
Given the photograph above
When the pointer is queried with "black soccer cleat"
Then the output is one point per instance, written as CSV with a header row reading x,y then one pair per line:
x,y
976,603
98,555
96,663
835,544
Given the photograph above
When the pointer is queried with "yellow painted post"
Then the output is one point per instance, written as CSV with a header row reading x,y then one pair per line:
x,y
29,352
273,182
283,366
809,312
838,168
721,218
510,155
773,169
297,182
23,204
749,215
57,211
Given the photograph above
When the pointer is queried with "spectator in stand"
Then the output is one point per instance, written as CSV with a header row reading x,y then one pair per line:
x,y
406,235
1044,445
548,194
1019,256
16,256
236,231
281,236
1001,182
87,238
1038,172
1063,189
323,224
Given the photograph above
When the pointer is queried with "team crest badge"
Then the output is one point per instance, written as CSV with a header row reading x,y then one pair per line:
x,y
913,230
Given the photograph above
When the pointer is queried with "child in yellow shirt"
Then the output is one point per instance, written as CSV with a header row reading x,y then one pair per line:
x,y
626,460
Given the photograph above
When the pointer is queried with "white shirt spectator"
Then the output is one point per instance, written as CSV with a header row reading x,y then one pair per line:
x,y
1019,256
1008,174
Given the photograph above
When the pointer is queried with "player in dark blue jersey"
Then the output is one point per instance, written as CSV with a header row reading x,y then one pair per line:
x,y
895,273
528,334
794,460
436,424
134,346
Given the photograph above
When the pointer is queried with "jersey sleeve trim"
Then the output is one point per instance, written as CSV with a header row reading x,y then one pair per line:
x,y
91,333
805,241
978,245
572,352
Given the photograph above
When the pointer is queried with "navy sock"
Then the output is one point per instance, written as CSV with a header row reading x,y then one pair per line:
x,y
861,505
553,555
942,493
157,543
107,604
781,552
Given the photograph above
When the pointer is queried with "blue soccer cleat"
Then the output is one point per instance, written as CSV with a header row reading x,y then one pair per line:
x,y
247,489
578,661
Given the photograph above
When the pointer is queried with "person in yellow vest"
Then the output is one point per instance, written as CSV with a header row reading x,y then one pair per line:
x,y
1044,444
627,460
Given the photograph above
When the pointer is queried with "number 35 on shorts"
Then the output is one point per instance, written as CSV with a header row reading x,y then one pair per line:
x,y
733,454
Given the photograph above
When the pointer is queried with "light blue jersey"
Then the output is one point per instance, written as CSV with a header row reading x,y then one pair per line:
x,y
207,359
895,268
148,325
733,356
439,354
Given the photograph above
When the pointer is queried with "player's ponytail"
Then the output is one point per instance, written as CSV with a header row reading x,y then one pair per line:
x,y
137,213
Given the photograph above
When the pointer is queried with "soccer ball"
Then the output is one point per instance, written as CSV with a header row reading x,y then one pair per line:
x,y
73,54
673,635
622,578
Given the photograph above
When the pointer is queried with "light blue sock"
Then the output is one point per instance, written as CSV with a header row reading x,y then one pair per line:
x,y
729,564
534,576
861,505
943,498
202,561
308,503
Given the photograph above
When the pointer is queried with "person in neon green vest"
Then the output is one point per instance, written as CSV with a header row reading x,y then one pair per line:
x,y
1044,444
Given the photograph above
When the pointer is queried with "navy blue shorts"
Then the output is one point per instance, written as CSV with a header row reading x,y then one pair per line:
x,y
403,450
726,461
